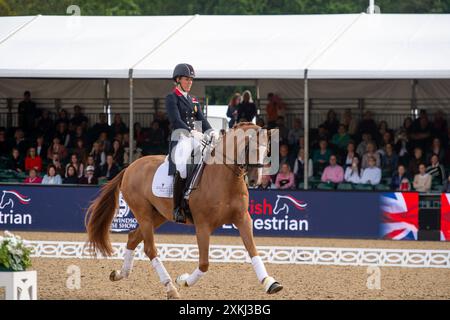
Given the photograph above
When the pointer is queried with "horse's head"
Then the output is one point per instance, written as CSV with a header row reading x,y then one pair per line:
x,y
244,146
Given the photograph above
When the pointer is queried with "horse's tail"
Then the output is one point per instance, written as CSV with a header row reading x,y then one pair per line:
x,y
100,214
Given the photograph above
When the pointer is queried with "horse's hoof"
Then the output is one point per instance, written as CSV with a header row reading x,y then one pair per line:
x,y
173,295
115,276
181,280
274,288
271,285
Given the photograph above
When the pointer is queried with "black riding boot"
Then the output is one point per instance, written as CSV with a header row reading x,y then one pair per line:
x,y
178,193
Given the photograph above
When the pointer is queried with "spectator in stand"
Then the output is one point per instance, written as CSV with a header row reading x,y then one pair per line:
x,y
77,164
398,177
316,138
350,123
62,117
295,133
266,183
78,133
57,163
331,124
422,180
436,170
118,125
5,146
140,135
413,166
382,138
110,169
232,111
19,142
56,147
275,108
436,148
386,139
353,172
260,122
389,160
32,161
78,118
90,162
440,126
285,178
367,125
362,146
421,131
283,130
299,167
117,152
62,132
80,150
15,161
405,185
402,144
99,127
351,153
89,178
41,147
45,125
52,177
285,156
246,109
104,142
340,140
71,175
372,174
98,154
371,152
321,157
334,172
33,178
27,112
161,117
156,141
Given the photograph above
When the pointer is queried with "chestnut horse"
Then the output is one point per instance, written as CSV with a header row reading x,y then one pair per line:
x,y
220,198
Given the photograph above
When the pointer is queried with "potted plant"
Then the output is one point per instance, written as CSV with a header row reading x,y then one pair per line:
x,y
14,255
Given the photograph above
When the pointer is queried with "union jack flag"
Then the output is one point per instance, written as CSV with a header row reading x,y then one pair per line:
x,y
445,217
400,215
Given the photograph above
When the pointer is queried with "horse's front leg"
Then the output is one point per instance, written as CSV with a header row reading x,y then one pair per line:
x,y
188,280
245,226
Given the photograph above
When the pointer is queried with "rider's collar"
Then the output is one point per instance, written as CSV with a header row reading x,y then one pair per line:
x,y
179,92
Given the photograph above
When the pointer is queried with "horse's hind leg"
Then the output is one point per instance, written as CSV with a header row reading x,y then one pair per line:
x,y
245,226
134,238
147,230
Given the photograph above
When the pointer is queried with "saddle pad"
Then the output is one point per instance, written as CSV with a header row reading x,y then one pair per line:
x,y
162,185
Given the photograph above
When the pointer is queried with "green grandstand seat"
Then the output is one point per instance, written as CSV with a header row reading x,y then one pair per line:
x,y
102,181
344,186
382,187
362,187
437,188
326,186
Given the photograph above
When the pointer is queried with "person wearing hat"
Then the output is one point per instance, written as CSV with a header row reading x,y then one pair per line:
x,y
90,177
188,125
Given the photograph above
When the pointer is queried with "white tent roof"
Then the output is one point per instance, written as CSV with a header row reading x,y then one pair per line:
x,y
221,47
389,46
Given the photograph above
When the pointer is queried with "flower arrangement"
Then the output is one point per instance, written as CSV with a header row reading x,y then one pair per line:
x,y
14,255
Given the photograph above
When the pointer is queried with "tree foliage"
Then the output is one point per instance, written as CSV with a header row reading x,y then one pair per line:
x,y
215,7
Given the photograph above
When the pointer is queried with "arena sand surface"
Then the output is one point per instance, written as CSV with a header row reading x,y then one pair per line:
x,y
237,281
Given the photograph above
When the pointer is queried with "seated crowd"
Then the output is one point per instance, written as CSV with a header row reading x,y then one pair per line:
x,y
345,154
69,150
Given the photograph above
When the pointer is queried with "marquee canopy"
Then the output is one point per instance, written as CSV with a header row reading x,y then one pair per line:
x,y
348,46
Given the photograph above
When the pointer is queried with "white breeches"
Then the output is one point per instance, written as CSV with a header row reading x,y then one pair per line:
x,y
183,152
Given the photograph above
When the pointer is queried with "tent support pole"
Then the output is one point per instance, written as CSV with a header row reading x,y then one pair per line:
x,y
131,132
306,130
258,99
413,98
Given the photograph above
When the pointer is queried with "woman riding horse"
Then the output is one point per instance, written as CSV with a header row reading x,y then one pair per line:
x,y
221,197
188,123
